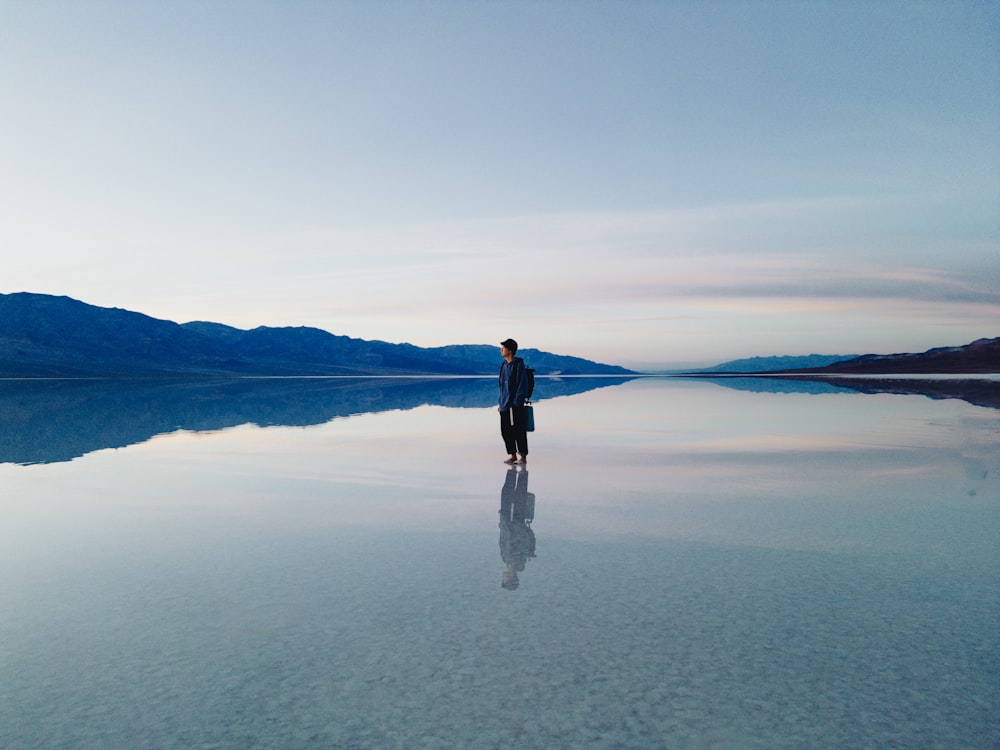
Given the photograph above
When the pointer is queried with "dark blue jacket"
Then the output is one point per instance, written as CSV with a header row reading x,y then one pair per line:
x,y
513,384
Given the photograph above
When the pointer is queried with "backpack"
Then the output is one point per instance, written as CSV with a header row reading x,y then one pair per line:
x,y
530,373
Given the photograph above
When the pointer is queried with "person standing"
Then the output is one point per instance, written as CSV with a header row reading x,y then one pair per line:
x,y
513,394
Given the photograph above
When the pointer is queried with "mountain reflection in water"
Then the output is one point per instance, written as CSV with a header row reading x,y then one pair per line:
x,y
978,391
46,421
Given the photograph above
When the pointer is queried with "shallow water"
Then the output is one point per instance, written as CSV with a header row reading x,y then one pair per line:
x,y
714,568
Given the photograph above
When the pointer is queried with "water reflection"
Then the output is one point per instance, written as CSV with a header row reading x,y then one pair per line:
x,y
779,571
50,421
979,391
517,511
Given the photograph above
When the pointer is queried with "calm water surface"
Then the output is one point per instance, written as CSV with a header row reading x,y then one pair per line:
x,y
712,568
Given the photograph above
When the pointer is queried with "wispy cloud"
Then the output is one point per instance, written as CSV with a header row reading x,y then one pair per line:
x,y
640,280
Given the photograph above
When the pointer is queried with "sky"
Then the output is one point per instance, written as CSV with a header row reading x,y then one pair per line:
x,y
643,183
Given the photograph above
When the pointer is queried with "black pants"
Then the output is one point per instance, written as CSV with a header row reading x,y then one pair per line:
x,y
513,426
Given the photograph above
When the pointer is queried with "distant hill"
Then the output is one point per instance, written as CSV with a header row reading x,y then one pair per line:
x,y
981,356
771,364
48,336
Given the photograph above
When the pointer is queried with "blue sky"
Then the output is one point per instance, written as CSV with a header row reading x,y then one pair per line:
x,y
645,183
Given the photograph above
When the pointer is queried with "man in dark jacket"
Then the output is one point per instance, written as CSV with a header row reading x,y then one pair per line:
x,y
513,394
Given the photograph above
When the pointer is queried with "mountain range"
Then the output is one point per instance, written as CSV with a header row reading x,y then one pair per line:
x,y
773,364
980,356
52,336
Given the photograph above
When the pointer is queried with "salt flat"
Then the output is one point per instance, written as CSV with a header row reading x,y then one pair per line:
x,y
713,568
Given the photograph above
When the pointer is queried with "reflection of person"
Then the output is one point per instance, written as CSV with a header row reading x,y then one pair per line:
x,y
513,394
517,540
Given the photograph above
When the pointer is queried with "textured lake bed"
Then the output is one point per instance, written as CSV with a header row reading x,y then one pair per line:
x,y
713,567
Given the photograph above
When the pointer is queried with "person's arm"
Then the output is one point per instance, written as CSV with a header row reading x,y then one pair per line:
x,y
504,400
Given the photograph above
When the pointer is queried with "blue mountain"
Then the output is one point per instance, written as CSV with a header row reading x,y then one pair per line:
x,y
773,364
49,336
980,356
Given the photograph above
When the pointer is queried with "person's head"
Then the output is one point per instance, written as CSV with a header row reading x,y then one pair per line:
x,y
508,346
